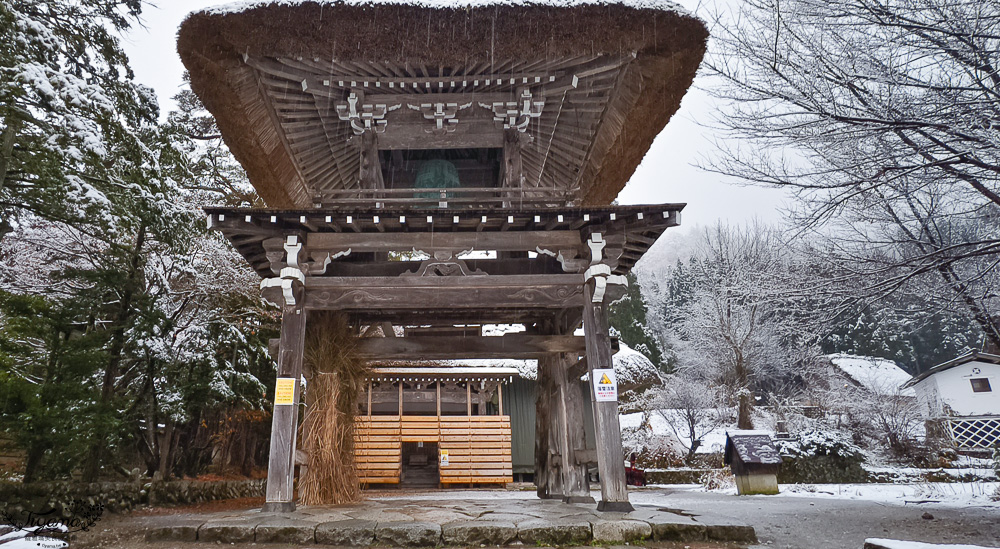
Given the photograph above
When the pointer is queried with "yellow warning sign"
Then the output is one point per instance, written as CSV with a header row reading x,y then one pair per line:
x,y
444,457
284,391
606,386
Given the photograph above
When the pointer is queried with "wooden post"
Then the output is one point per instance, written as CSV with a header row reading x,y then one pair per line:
x,y
575,487
610,456
284,421
542,425
500,395
370,175
557,425
512,164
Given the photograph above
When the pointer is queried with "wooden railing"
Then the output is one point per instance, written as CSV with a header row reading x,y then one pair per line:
x,y
478,447
457,197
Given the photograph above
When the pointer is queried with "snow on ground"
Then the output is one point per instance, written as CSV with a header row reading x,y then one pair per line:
x,y
879,375
947,494
900,544
957,472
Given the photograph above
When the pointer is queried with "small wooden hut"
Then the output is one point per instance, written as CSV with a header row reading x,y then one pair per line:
x,y
754,460
373,129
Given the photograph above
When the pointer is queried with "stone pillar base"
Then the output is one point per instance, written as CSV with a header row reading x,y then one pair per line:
x,y
615,507
278,507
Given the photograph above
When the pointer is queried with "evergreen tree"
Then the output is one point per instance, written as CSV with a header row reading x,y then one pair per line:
x,y
46,366
136,317
628,317
74,127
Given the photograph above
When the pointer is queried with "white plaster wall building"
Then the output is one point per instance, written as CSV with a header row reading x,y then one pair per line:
x,y
962,396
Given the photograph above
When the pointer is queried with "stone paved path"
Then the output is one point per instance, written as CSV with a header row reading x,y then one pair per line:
x,y
468,518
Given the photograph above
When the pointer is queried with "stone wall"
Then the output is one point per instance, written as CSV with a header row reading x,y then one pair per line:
x,y
17,498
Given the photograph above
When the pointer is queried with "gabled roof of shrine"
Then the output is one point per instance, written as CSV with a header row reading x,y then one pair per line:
x,y
606,76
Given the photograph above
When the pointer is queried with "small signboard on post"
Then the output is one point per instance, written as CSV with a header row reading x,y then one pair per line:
x,y
605,385
284,391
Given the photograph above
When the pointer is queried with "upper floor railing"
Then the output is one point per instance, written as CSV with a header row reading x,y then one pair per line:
x,y
455,197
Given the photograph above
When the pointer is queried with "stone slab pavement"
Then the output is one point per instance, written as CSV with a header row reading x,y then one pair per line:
x,y
466,519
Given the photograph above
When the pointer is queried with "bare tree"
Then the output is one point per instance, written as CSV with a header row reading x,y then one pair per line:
x,y
881,116
689,406
738,330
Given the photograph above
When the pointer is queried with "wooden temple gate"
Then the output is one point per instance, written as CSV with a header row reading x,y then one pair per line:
x,y
391,139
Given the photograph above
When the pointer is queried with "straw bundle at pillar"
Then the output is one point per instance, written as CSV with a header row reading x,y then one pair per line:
x,y
335,378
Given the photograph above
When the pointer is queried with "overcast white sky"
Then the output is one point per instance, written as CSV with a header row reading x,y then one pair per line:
x,y
667,173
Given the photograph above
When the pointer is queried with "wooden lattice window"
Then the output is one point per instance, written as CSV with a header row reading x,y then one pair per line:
x,y
976,434
981,385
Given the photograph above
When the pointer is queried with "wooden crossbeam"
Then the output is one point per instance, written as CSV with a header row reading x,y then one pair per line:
x,y
559,291
515,346
506,242
577,369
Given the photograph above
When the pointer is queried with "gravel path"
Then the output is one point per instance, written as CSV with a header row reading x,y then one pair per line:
x,y
818,523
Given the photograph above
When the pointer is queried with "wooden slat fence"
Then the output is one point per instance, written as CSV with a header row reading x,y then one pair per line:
x,y
479,447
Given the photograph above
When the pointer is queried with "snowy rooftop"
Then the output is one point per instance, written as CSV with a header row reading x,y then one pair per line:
x,y
297,59
237,7
878,375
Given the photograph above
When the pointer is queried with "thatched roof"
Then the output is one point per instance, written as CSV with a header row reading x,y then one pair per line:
x,y
611,75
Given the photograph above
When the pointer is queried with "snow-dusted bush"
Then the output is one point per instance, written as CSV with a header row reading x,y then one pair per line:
x,y
819,443
820,457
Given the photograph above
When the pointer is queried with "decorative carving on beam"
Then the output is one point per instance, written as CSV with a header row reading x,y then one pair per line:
x,y
334,300
446,267
320,261
444,115
531,295
601,273
516,114
567,258
364,117
288,275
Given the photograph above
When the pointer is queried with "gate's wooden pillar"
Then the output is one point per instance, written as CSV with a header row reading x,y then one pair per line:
x,y
610,456
281,463
547,480
557,425
568,398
